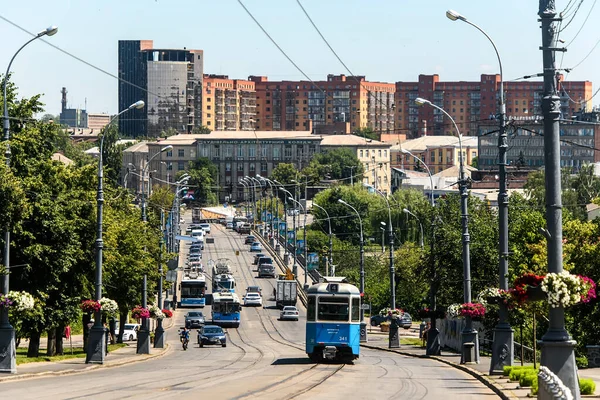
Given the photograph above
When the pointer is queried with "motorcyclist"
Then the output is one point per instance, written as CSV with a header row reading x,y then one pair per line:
x,y
184,335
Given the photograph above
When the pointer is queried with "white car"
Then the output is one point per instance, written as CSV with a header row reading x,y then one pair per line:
x,y
130,331
289,313
205,227
252,299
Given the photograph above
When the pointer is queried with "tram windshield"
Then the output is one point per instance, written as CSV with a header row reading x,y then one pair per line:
x,y
226,308
192,290
333,309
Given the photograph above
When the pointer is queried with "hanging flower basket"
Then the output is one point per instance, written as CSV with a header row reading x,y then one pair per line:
x,y
140,312
535,293
155,312
109,307
167,313
5,301
90,306
474,310
18,301
453,310
565,289
524,286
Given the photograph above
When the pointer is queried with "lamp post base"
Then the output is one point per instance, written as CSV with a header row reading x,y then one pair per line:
x,y
8,351
159,336
502,349
559,357
96,345
143,341
470,347
433,343
393,336
363,332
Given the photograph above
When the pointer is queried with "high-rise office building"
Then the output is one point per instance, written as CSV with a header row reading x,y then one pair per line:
x,y
170,83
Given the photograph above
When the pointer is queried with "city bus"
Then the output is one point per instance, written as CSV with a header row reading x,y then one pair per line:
x,y
192,291
226,309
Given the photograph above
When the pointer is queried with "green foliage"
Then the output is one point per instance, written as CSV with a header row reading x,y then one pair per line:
x,y
516,373
527,379
586,386
203,178
582,362
201,130
333,165
284,173
534,387
367,133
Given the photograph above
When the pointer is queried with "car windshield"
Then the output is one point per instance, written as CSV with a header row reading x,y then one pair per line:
x,y
289,308
212,330
194,314
252,295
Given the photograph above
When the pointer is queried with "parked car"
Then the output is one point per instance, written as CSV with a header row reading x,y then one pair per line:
x,y
255,247
405,321
256,258
194,319
289,313
252,299
250,239
212,334
376,320
130,331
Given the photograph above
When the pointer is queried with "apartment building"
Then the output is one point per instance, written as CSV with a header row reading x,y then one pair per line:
x,y
578,143
472,102
438,152
228,104
289,105
169,81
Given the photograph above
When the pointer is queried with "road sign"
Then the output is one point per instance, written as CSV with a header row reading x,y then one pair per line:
x,y
365,306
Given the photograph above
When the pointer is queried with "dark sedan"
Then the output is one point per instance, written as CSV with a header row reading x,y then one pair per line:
x,y
194,319
212,334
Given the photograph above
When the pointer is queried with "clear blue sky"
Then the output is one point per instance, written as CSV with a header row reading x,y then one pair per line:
x,y
386,40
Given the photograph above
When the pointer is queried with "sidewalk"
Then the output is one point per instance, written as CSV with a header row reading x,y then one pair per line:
x,y
122,356
498,383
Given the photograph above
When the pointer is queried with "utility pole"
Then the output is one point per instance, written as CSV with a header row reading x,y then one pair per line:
x,y
556,345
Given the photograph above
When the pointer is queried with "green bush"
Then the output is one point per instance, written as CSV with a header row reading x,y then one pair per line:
x,y
516,373
527,379
534,387
582,362
506,370
586,386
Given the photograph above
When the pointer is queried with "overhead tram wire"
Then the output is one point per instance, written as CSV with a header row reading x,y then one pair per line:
x,y
80,59
572,15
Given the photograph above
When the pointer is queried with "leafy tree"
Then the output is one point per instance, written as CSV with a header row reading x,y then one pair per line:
x,y
201,130
169,132
338,164
284,173
573,201
50,118
367,133
203,176
475,162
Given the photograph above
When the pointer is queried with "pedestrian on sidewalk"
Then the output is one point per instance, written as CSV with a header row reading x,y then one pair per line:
x,y
425,332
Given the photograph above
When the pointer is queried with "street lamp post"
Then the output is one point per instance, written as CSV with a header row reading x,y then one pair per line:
x,y
245,185
96,346
363,325
280,186
159,332
143,343
8,363
330,259
294,266
503,345
272,243
470,343
305,245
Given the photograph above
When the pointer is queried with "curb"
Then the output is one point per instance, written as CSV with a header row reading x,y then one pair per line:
x,y
16,377
476,374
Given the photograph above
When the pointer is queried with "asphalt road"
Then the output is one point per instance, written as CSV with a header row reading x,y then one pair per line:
x,y
264,359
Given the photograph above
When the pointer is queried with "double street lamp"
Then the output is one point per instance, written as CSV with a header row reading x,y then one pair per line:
x,y
330,253
96,347
470,344
363,325
294,266
8,363
305,244
503,346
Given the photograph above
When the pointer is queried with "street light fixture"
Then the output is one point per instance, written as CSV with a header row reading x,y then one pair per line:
x,y
503,345
470,343
96,347
405,151
7,333
144,171
363,325
271,205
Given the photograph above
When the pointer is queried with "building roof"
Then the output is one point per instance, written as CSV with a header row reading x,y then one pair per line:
x,y
350,140
427,142
139,147
409,173
243,135
454,171
61,157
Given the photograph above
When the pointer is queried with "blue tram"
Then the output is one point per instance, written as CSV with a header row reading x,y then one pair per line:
x,y
226,309
333,321
192,291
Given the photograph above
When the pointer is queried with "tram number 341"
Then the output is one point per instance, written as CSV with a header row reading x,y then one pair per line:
x,y
343,339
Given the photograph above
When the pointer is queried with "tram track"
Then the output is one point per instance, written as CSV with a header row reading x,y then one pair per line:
x,y
320,382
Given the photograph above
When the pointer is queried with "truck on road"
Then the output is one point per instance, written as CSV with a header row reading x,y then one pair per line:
x,y
196,215
286,293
